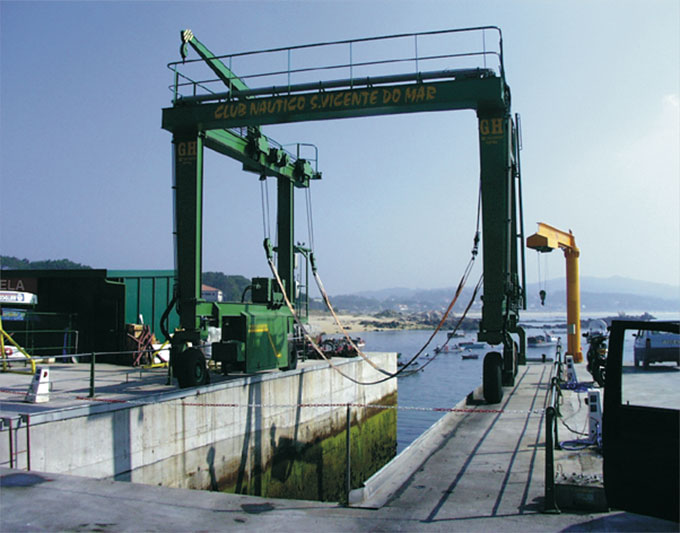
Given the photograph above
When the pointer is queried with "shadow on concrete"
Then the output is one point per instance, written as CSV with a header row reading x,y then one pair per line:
x,y
624,522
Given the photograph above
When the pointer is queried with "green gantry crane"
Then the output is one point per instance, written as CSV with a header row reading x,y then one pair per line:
x,y
261,334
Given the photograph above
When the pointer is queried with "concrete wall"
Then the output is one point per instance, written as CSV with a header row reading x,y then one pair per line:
x,y
175,439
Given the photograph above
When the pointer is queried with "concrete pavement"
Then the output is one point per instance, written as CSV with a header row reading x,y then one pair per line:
x,y
478,470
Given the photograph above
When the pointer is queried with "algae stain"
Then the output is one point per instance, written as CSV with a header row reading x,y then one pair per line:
x,y
316,470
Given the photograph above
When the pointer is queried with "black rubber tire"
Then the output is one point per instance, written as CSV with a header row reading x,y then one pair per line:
x,y
292,361
492,383
598,374
190,369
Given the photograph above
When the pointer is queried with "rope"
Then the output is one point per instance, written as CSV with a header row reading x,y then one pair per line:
x,y
460,321
309,339
324,405
459,289
461,285
289,406
324,295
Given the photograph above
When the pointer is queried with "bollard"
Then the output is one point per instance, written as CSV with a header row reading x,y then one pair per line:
x,y
92,361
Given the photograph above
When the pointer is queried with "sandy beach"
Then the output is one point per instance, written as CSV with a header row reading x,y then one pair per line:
x,y
325,323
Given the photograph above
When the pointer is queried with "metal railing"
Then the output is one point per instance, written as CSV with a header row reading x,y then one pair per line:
x,y
552,443
371,60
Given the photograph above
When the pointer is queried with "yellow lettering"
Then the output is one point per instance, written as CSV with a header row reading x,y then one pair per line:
x,y
484,128
497,126
218,111
431,93
314,101
410,94
374,97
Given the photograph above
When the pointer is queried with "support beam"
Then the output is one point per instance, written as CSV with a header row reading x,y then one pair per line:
x,y
285,224
188,231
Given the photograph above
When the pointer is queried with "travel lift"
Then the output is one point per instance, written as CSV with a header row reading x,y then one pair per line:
x,y
251,336
260,335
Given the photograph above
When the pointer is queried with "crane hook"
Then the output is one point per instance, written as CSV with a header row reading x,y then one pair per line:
x,y
541,293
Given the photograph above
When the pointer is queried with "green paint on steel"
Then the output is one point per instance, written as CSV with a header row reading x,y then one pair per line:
x,y
210,116
223,72
416,97
147,293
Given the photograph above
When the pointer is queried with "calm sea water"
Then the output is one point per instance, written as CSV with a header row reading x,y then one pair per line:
x,y
448,378
442,383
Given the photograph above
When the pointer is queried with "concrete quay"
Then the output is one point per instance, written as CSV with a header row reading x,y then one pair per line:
x,y
478,469
229,434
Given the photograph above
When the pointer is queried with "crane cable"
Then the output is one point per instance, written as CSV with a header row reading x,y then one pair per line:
x,y
306,335
461,284
318,350
459,289
460,321
309,339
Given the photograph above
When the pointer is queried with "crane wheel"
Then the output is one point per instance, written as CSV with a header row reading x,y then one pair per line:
x,y
292,361
492,382
190,369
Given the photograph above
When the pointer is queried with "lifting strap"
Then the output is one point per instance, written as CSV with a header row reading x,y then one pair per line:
x,y
388,376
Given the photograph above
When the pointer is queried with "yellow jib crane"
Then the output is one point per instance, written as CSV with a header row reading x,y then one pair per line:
x,y
547,239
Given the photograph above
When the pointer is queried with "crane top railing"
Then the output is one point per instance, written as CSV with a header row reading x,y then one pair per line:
x,y
442,54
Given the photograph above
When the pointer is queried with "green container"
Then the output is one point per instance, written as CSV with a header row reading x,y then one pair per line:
x,y
147,295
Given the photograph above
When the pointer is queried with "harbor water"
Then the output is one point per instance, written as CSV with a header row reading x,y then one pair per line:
x,y
442,380
449,378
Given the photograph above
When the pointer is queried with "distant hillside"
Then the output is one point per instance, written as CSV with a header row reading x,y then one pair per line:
x,y
615,285
615,294
231,286
8,262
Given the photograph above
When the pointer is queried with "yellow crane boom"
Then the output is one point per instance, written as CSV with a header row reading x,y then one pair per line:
x,y
547,239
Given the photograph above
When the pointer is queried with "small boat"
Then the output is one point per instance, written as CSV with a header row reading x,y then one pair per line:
x,y
542,340
469,345
470,356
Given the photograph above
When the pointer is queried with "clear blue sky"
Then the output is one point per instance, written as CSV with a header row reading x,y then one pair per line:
x,y
86,169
